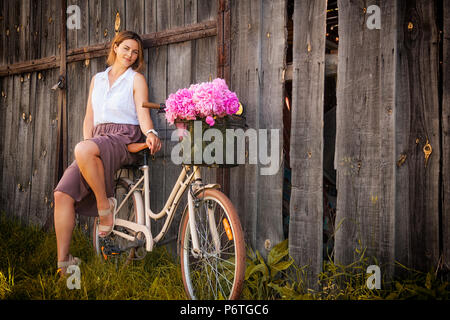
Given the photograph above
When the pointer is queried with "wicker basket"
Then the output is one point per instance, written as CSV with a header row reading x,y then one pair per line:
x,y
197,144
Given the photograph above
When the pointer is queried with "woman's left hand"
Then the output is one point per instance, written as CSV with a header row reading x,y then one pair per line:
x,y
153,143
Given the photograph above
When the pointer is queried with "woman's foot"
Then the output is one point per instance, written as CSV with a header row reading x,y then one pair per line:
x,y
69,261
106,217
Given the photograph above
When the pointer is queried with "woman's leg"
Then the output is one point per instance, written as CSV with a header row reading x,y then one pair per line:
x,y
87,155
64,216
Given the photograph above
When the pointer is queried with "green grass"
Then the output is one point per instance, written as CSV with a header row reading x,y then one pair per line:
x,y
28,271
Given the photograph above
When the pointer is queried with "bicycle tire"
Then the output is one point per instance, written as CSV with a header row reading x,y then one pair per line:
x,y
127,212
208,268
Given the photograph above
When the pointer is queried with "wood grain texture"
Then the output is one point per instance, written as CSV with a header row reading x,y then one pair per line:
x,y
364,157
446,137
44,149
306,203
245,50
417,121
270,116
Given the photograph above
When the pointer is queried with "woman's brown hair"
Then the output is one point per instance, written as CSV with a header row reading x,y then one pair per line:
x,y
118,39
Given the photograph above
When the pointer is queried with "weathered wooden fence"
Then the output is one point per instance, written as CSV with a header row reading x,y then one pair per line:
x,y
392,156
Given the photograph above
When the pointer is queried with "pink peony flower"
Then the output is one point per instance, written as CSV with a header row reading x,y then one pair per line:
x,y
210,120
203,100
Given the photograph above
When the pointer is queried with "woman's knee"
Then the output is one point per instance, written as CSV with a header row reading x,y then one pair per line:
x,y
62,198
85,149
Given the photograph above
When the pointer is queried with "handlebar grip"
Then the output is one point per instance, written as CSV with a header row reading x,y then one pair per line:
x,y
152,105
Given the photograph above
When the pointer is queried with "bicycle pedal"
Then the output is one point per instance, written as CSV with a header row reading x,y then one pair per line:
x,y
110,251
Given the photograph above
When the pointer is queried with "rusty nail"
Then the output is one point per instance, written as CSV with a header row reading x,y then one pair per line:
x,y
410,26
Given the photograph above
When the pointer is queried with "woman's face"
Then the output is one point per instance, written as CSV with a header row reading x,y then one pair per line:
x,y
127,52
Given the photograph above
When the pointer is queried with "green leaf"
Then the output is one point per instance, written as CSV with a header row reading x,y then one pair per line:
x,y
429,280
257,268
278,252
283,265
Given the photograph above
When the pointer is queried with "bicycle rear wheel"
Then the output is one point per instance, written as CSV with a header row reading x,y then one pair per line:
x,y
218,272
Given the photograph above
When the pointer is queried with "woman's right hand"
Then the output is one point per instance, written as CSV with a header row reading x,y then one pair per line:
x,y
153,143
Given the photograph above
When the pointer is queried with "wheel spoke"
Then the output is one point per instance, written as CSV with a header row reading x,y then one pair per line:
x,y
213,274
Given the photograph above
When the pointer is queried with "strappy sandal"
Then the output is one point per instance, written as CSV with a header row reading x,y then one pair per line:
x,y
63,265
102,213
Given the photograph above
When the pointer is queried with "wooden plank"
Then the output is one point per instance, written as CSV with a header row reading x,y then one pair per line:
x,y
272,63
157,92
4,84
162,14
135,18
44,152
3,106
12,35
364,157
245,50
3,37
207,10
35,30
150,16
61,144
24,141
306,145
191,11
156,75
176,13
51,22
9,150
79,38
179,75
205,69
417,122
445,220
23,30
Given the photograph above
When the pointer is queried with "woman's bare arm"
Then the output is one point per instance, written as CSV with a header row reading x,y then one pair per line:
x,y
140,91
88,124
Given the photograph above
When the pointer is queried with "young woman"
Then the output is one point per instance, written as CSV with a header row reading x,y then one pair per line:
x,y
114,118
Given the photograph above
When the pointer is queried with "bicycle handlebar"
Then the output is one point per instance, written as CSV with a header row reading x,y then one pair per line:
x,y
152,105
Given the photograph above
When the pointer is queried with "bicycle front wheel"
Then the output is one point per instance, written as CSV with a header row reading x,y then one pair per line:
x,y
217,271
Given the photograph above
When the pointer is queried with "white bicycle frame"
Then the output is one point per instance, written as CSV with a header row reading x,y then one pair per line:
x,y
145,214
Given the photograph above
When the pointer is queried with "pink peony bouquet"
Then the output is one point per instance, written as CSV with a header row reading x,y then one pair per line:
x,y
206,100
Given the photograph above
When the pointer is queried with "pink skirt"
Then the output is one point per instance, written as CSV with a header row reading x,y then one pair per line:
x,y
112,140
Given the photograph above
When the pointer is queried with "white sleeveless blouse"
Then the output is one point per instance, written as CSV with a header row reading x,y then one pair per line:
x,y
115,104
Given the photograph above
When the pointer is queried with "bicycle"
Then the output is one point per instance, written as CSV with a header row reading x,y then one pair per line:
x,y
210,237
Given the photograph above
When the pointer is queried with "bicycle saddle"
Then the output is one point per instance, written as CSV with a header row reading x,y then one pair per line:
x,y
137,147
